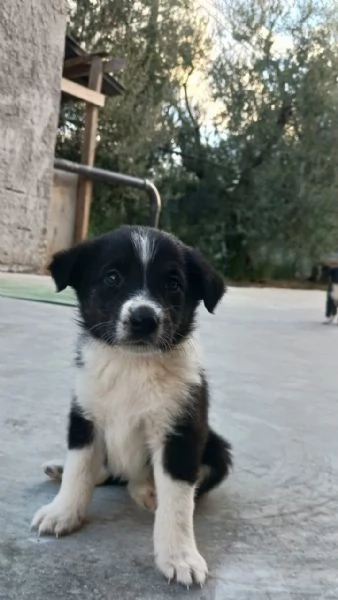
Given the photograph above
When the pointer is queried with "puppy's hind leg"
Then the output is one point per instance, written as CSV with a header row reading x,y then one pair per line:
x,y
142,490
54,470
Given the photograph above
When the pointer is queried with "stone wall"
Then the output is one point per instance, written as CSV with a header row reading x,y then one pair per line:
x,y
32,34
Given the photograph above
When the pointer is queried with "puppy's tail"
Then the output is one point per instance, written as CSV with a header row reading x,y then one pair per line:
x,y
216,463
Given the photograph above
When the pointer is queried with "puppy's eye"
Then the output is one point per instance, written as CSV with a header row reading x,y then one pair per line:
x,y
113,279
173,284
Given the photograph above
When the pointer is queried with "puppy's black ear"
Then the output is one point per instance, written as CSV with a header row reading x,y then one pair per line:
x,y
62,268
205,282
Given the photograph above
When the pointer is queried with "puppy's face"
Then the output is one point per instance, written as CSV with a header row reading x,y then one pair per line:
x,y
138,287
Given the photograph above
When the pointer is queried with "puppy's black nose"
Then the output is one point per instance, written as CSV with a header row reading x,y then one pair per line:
x,y
143,320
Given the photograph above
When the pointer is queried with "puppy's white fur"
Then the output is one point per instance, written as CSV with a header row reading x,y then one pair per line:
x,y
68,509
133,400
144,246
176,552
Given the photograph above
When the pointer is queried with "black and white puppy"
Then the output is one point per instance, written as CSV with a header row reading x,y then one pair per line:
x,y
332,295
140,406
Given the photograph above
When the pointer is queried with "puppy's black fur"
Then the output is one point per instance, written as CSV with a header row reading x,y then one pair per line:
x,y
192,444
331,297
105,272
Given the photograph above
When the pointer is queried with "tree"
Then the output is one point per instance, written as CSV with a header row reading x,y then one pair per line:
x,y
276,80
159,39
256,187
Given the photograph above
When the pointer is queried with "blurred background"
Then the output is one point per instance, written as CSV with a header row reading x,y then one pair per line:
x,y
230,108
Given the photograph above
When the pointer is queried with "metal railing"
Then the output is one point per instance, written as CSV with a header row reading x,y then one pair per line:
x,y
109,177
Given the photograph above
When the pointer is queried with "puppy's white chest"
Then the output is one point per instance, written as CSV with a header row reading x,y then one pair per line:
x,y
125,438
133,401
120,407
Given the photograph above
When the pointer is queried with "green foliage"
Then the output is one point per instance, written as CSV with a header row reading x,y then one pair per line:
x,y
156,37
256,189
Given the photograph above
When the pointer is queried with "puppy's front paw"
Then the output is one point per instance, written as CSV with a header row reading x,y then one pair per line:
x,y
185,564
56,519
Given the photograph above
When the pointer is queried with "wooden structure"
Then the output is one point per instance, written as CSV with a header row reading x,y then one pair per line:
x,y
86,77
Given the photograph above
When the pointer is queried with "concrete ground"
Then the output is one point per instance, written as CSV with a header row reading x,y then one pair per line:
x,y
270,532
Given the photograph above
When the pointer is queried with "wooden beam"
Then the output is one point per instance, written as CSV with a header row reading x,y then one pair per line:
x,y
85,187
83,93
82,59
114,65
73,70
77,71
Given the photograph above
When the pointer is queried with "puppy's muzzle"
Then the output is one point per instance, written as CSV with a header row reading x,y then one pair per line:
x,y
140,322
143,322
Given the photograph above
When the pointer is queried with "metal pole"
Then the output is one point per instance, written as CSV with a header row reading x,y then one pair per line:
x,y
117,178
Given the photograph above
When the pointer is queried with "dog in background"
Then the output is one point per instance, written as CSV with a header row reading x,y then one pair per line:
x,y
332,295
139,412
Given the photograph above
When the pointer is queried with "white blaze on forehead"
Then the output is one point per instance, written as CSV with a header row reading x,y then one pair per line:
x,y
144,245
